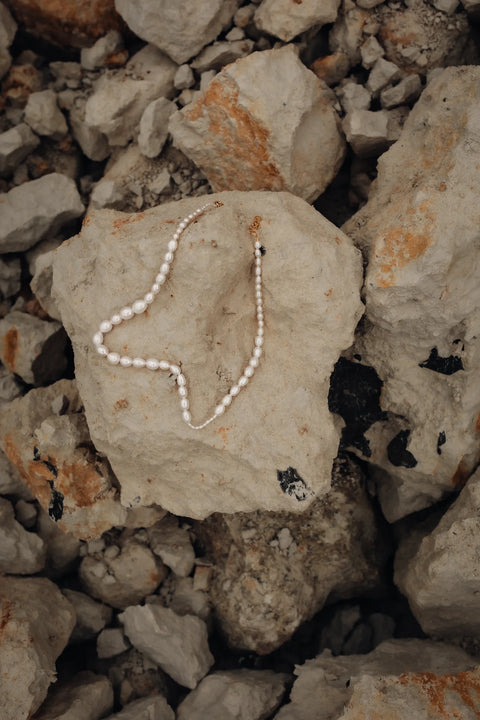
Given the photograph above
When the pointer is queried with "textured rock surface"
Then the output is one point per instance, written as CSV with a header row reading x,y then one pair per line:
x,y
154,126
31,639
15,145
180,29
150,708
36,209
111,642
283,450
400,678
44,116
285,19
273,571
263,123
10,276
97,55
439,573
85,697
178,644
91,616
234,695
51,448
419,231
173,545
21,552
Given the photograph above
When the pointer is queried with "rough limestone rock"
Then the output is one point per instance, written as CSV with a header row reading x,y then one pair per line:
x,y
215,56
285,19
120,96
154,126
111,642
32,348
263,123
275,446
273,571
420,233
44,116
93,142
234,695
31,639
179,645
62,547
400,678
96,56
440,575
8,29
180,29
154,707
85,697
173,545
15,145
21,552
36,209
92,616
45,436
10,276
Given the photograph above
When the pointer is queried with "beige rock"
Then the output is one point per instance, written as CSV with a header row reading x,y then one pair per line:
x,y
111,642
331,68
222,53
62,547
346,34
382,73
134,416
97,55
31,639
10,277
44,116
180,29
173,545
93,142
154,707
263,123
41,283
21,552
154,126
92,616
15,145
407,90
367,131
85,697
285,19
353,96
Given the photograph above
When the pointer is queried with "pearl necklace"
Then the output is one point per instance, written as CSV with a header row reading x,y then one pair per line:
x,y
139,306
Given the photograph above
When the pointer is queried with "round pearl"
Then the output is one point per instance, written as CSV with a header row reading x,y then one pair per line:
x,y
102,350
257,352
234,390
258,254
258,271
149,298
139,306
175,369
164,268
160,279
164,365
219,409
152,364
126,313
116,319
227,400
105,326
242,381
248,372
260,317
172,245
155,288
253,362
182,391
168,257
98,338
260,324
126,361
184,404
138,362
113,358
258,294
260,330
176,235
259,341
181,379
186,416
182,225
191,216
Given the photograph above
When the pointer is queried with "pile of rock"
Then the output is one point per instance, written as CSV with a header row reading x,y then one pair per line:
x,y
148,570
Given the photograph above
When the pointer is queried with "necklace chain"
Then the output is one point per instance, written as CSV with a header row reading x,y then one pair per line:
x,y
139,306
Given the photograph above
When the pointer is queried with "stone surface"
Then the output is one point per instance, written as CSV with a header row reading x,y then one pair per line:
x,y
134,676
111,642
124,579
382,73
173,545
31,639
10,275
234,695
285,19
150,708
36,209
261,591
121,96
62,547
346,34
263,123
92,616
41,283
32,348
400,678
106,193
8,28
367,131
331,68
180,29
221,53
51,449
21,552
44,116
405,91
184,77
439,573
154,126
420,234
72,23
10,480
371,51
15,145
353,96
85,697
96,56
93,142
274,457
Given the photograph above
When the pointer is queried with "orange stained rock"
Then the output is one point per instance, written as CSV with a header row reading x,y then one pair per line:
x,y
477,423
461,475
244,140
120,222
440,690
10,347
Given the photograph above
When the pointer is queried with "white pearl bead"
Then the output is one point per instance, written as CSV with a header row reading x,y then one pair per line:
x,y
234,390
116,319
184,404
186,416
258,294
149,298
258,271
176,235
182,225
175,369
181,379
191,216
102,350
164,268
257,244
126,313
258,254
113,358
152,364
248,372
139,306
260,317
160,279
98,338
219,409
172,245
105,326
155,288
126,361
168,257
164,365
260,324
182,391
138,362
242,381
260,330
259,341
257,352
253,362
227,400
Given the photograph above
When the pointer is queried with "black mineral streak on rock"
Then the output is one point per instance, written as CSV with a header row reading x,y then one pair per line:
x,y
444,365
397,451
292,484
262,250
55,508
442,439
354,394
36,454
50,466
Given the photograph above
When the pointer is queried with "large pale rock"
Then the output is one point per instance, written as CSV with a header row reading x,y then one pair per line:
x,y
173,544
285,19
31,639
440,575
121,96
154,707
180,29
36,209
45,436
92,616
15,145
420,233
234,695
44,116
275,446
178,644
154,126
400,678
273,571
21,552
265,122
85,697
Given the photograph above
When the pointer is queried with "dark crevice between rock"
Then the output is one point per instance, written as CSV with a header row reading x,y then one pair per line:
x,y
292,484
397,451
441,440
55,508
444,365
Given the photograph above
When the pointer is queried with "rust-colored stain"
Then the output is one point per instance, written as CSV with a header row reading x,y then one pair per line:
x,y
120,222
436,688
223,432
302,430
10,346
116,59
461,475
442,187
477,423
329,292
5,616
86,221
121,404
244,140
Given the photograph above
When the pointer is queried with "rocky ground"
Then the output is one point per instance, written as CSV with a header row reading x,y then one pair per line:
x,y
311,553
